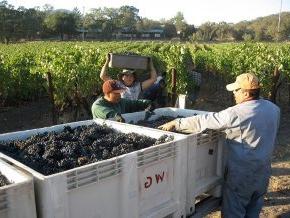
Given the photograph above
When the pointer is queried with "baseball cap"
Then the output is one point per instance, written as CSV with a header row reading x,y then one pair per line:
x,y
244,81
112,86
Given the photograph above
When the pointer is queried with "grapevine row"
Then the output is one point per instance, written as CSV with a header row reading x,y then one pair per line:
x,y
75,66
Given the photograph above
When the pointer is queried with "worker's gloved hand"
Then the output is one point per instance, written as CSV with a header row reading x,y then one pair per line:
x,y
149,111
119,118
151,107
170,126
108,58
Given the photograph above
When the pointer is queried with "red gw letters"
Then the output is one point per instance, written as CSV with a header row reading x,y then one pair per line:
x,y
148,183
158,178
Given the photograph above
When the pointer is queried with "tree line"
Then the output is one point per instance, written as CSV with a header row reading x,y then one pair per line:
x,y
47,23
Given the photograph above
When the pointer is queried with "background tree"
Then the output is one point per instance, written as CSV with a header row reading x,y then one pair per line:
x,y
188,31
169,30
224,31
146,24
179,22
206,32
61,22
103,19
239,30
78,17
47,8
31,23
94,19
128,17
8,21
284,32
44,22
264,28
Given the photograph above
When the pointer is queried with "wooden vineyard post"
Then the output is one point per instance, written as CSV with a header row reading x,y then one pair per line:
x,y
274,87
51,97
173,89
85,104
80,102
288,94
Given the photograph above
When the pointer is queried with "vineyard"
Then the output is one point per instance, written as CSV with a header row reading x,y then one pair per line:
x,y
74,66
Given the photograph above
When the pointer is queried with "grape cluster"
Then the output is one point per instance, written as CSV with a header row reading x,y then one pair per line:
x,y
3,180
52,152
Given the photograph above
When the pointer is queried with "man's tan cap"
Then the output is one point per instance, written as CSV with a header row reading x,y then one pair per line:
x,y
244,81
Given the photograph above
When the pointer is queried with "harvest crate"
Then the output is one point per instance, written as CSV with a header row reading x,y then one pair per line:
x,y
129,61
204,157
145,183
16,199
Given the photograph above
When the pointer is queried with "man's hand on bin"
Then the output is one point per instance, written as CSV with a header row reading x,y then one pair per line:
x,y
149,111
108,58
168,126
151,66
119,118
151,107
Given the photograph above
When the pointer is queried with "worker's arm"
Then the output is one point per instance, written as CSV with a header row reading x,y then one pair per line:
x,y
135,105
104,72
108,113
218,121
102,111
153,75
199,123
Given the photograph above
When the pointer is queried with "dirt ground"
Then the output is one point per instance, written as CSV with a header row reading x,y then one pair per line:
x,y
277,201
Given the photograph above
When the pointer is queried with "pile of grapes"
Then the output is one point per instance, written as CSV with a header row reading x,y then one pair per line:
x,y
52,152
3,180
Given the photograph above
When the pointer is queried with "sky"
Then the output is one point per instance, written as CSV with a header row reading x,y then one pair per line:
x,y
195,11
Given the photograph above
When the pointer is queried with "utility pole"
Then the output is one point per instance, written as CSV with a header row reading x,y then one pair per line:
x,y
83,23
279,20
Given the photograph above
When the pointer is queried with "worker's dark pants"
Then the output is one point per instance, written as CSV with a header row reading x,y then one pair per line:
x,y
243,193
236,206
155,93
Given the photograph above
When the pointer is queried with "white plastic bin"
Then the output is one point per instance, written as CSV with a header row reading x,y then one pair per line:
x,y
16,199
204,157
144,183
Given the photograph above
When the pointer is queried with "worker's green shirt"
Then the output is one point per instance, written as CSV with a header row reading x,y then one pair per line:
x,y
104,109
